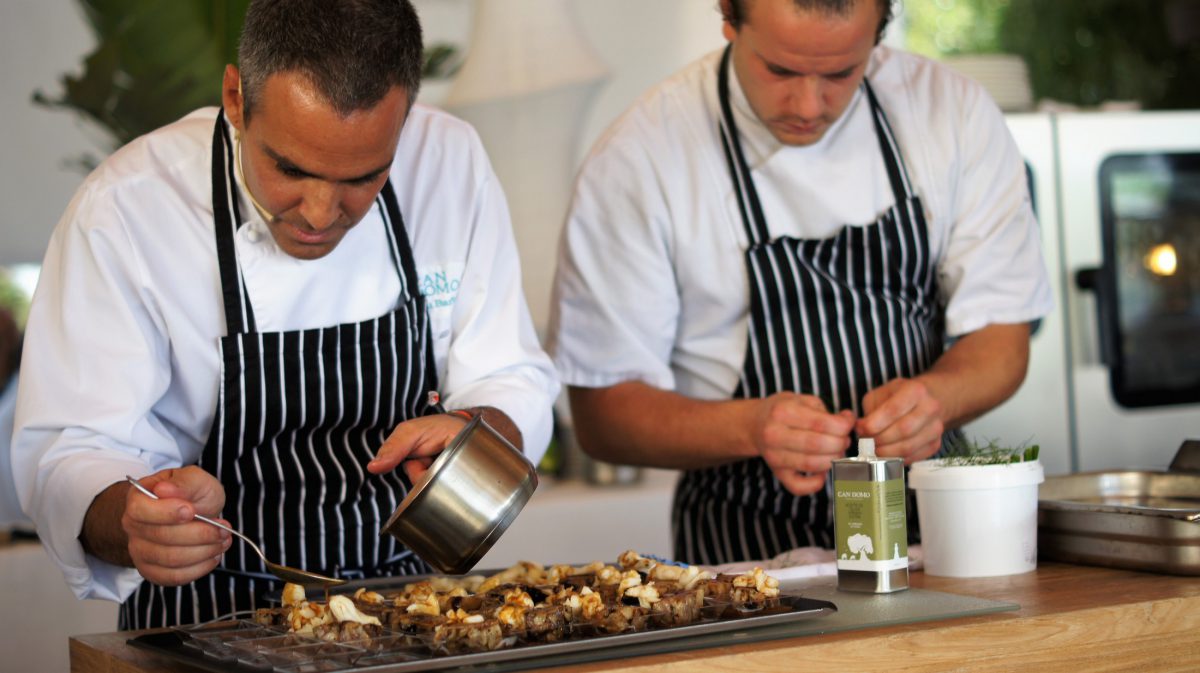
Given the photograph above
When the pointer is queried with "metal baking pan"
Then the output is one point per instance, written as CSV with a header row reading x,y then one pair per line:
x,y
1140,520
244,647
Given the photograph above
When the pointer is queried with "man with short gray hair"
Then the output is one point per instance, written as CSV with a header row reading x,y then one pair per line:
x,y
246,311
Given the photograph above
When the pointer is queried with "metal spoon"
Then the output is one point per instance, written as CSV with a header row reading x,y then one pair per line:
x,y
294,575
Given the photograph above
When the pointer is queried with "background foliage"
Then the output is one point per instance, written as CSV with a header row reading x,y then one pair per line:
x,y
157,60
1083,52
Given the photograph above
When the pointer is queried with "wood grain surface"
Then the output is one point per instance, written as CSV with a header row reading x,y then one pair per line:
x,y
1072,619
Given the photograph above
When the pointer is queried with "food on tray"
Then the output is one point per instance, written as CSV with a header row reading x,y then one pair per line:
x,y
529,603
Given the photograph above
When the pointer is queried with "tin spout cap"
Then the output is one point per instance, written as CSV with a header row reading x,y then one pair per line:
x,y
866,448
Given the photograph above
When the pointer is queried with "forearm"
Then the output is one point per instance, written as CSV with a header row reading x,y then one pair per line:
x,y
102,535
980,371
502,424
634,423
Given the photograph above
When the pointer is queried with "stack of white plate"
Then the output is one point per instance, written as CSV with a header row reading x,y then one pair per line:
x,y
1005,77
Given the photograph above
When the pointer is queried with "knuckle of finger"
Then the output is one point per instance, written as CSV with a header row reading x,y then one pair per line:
x,y
937,427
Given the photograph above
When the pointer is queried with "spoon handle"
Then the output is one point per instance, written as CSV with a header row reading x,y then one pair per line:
x,y
200,517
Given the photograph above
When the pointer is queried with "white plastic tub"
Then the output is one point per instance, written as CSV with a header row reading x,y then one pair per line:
x,y
977,520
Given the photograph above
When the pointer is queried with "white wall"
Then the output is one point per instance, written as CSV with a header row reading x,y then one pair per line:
x,y
537,140
39,40
641,42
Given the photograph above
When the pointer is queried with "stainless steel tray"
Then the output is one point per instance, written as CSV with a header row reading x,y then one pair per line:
x,y
243,646
1141,520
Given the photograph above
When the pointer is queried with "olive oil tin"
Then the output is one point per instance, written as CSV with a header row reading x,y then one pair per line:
x,y
870,522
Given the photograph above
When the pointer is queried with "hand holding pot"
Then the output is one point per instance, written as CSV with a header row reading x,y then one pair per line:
x,y
415,443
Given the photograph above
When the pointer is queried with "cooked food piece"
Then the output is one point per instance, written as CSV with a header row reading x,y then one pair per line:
x,y
272,616
679,607
398,619
752,589
631,560
525,604
428,605
462,632
559,573
524,572
345,632
364,597
547,623
629,579
685,577
344,610
621,618
755,585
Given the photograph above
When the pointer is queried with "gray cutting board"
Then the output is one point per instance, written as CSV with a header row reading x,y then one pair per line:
x,y
854,611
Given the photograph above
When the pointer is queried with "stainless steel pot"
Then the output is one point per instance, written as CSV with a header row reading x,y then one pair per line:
x,y
466,499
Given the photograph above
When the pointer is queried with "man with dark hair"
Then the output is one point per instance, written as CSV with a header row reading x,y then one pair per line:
x,y
763,257
247,309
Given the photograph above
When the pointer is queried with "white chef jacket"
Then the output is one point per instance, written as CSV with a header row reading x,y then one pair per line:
x,y
120,368
651,283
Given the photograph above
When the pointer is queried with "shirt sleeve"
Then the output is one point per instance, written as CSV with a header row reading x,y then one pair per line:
x,y
616,305
494,357
993,270
94,362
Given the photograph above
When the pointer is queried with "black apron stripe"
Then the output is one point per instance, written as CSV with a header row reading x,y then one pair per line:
x,y
895,339
850,375
728,526
785,294
390,234
855,353
833,363
909,244
737,189
757,224
814,335
776,336
864,341
758,375
897,174
223,218
807,379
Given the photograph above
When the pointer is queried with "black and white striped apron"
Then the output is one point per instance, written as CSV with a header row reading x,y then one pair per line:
x,y
298,417
833,318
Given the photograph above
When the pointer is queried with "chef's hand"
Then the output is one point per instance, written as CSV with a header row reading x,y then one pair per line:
x,y
904,418
800,439
168,546
414,443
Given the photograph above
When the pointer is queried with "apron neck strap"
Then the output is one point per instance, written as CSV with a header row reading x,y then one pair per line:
x,y
239,315
743,184
402,254
892,157
227,219
749,204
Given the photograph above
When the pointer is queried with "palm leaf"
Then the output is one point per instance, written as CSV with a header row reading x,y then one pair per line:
x,y
153,63
156,61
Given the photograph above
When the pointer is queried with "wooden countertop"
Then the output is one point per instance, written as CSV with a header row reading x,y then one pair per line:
x,y
1071,618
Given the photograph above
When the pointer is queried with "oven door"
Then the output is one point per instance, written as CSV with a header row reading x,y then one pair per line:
x,y
1148,286
1130,199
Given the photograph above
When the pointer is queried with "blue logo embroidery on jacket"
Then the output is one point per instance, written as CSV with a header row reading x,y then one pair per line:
x,y
439,285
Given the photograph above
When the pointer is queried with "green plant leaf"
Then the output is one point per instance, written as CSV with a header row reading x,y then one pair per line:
x,y
972,451
156,61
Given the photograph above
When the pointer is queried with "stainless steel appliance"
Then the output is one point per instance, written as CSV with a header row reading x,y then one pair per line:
x,y
1114,375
